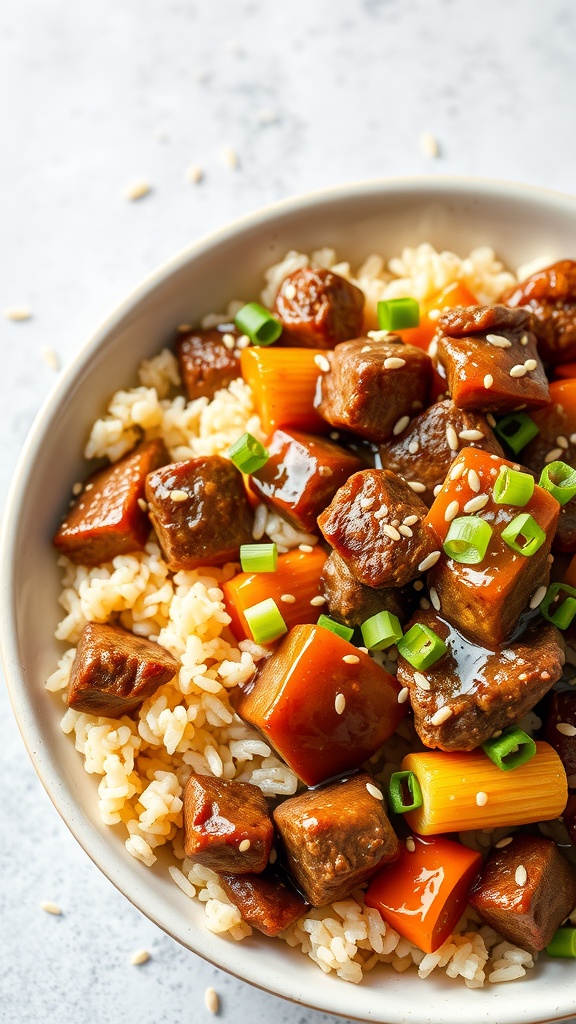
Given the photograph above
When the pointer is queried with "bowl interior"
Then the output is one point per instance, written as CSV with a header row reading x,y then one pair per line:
x,y
520,224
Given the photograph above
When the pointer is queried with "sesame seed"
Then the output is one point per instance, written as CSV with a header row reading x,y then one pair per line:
x,y
562,441
524,339
418,585
324,471
50,908
503,842
400,425
377,335
366,503
433,346
413,447
17,313
211,1001
488,380
403,695
421,681
537,597
442,715
290,291
566,729
351,659
390,531
416,486
475,504
322,363
457,470
452,438
530,364
230,157
410,520
519,370
136,190
429,145
451,511
410,845
424,604
365,348
433,314
572,438
471,435
143,504
490,419
288,598
553,455
77,488
306,548
194,174
544,675
498,341
405,531
50,358
481,799
394,363
521,875
474,480
139,957
434,598
437,490
243,341
316,602
244,845
228,341
374,791
428,562
177,495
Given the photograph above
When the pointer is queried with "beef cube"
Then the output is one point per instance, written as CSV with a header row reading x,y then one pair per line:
x,y
335,838
107,518
374,523
302,475
318,308
372,386
525,891
484,601
424,451
114,671
267,902
555,423
208,359
227,825
475,691
550,294
490,358
322,703
200,512
351,602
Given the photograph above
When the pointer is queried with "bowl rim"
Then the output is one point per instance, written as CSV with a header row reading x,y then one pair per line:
x,y
443,186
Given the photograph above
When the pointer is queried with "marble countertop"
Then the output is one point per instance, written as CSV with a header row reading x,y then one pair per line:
x,y
304,94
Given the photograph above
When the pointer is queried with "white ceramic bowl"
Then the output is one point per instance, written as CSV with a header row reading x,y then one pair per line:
x,y
520,223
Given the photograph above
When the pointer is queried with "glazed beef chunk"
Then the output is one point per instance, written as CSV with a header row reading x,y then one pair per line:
x,y
227,825
526,912
335,838
490,358
267,902
351,602
302,475
374,523
372,386
107,518
114,671
424,451
555,425
200,512
550,294
561,710
208,359
482,690
318,308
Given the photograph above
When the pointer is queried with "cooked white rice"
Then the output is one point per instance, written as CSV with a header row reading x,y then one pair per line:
x,y
189,725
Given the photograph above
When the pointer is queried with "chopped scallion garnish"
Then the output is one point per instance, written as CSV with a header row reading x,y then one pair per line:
x,y
560,480
516,430
400,782
265,621
524,535
259,557
248,455
261,327
467,539
513,748
381,631
559,605
563,943
398,314
513,488
335,627
421,646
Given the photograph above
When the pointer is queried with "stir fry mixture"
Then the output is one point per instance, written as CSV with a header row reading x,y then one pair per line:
x,y
388,556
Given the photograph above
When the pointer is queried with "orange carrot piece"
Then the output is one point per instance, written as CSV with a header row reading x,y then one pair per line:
x,y
423,894
297,576
283,382
563,392
455,294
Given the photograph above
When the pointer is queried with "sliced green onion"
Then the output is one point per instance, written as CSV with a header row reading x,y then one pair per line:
x,y
513,488
560,480
247,454
381,631
259,557
513,748
397,314
396,791
516,430
265,621
467,539
563,943
524,528
559,611
335,627
261,327
421,646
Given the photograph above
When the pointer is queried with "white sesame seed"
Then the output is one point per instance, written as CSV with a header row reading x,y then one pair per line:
x,y
136,190
194,174
553,455
503,842
537,597
394,363
306,548
572,438
491,419
435,599
400,425
442,715
288,598
243,341
77,488
424,603
366,503
316,602
324,471
562,441
416,486
457,470
211,1001
566,729
374,791
143,504
481,799
530,364
377,335
474,481
488,380
17,313
230,157
50,358
498,341
451,511
322,363
139,957
521,875
363,649
351,659
519,370
429,561
405,531
433,314
177,495
475,504
403,695
413,447
89,487
50,908
524,339
410,520
390,531
260,518
452,438
290,291
437,490
244,846
471,435
429,145
421,681
228,341
410,845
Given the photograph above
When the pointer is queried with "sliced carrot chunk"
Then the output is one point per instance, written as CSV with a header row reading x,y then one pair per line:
x,y
283,382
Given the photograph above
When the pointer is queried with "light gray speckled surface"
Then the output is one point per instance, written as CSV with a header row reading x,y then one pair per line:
x,y
95,95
